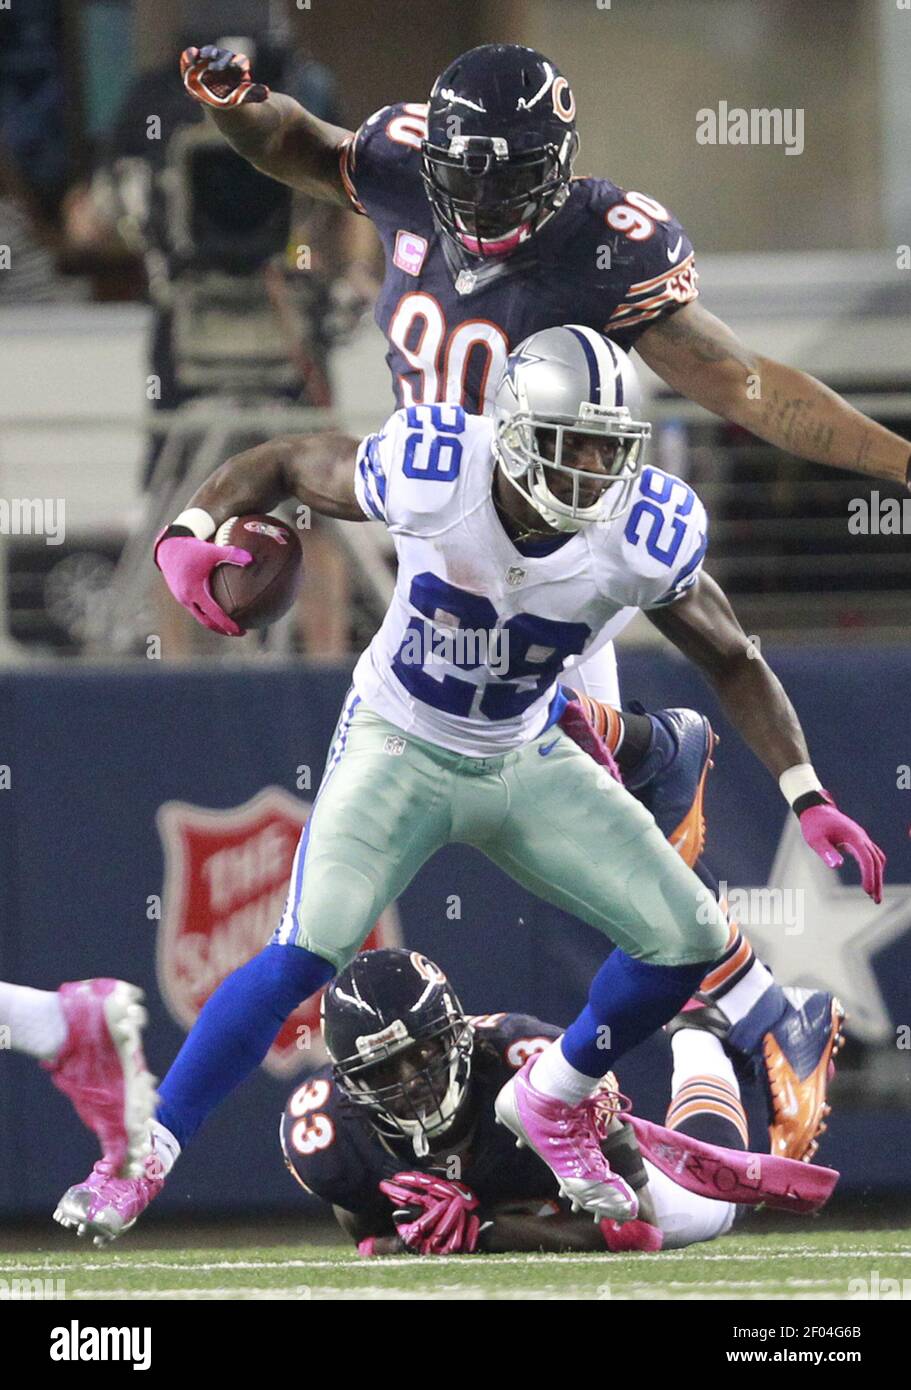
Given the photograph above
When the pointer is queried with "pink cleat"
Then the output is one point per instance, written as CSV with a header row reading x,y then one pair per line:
x,y
566,1138
105,1206
101,1068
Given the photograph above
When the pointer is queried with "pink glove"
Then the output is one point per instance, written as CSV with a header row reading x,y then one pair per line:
x,y
433,1216
187,566
826,830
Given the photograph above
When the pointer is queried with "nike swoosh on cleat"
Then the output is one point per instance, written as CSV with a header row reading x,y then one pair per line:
x,y
673,254
789,1107
548,748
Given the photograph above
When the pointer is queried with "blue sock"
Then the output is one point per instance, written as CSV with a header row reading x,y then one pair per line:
x,y
234,1032
627,1001
768,1011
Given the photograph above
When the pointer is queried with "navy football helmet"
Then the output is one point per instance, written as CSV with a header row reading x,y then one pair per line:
x,y
501,139
399,1042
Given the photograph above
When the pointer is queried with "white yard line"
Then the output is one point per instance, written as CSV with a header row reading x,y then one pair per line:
x,y
191,1265
370,1291
675,1289
300,1294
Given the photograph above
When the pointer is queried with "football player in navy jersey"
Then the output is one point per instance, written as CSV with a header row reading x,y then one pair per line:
x,y
488,237
399,1134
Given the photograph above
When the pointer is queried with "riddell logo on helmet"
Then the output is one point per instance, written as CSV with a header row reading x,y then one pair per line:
x,y
369,1042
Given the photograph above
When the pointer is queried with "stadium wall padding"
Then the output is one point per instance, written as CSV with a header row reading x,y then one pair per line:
x,y
93,753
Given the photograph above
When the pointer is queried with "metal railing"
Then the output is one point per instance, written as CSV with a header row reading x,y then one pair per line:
x,y
779,536
194,439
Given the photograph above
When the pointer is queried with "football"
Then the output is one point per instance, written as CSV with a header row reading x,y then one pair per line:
x,y
258,594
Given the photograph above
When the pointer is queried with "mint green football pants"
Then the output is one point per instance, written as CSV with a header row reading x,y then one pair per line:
x,y
547,814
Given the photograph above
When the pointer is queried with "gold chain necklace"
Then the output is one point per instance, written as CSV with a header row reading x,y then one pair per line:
x,y
527,534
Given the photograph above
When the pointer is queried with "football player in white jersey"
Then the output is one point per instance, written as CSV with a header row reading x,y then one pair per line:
x,y
520,538
489,237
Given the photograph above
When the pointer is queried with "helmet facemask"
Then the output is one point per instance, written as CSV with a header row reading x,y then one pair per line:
x,y
422,1105
530,449
488,201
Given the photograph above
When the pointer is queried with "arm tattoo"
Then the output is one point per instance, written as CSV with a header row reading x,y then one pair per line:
x,y
705,346
864,452
790,422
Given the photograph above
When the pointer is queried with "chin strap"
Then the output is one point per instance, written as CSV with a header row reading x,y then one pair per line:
x,y
530,533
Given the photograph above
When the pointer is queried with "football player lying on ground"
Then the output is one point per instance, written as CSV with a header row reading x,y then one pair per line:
x,y
88,1036
526,534
398,1133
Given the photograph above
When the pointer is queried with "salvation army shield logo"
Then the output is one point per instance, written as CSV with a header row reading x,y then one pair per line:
x,y
226,879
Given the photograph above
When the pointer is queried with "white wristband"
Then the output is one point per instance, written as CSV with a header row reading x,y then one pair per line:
x,y
797,781
197,521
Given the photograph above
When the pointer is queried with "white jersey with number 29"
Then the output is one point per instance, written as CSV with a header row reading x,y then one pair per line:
x,y
470,651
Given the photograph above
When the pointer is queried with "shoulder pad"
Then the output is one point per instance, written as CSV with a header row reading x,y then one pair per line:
x,y
319,1146
653,254
516,1037
414,467
388,141
664,540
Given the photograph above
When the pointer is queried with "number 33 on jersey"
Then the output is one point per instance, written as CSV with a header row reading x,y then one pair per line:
x,y
477,633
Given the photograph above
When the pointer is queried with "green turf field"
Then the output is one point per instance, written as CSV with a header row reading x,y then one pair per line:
x,y
798,1264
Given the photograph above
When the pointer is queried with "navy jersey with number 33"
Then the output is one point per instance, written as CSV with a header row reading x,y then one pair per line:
x,y
335,1153
613,260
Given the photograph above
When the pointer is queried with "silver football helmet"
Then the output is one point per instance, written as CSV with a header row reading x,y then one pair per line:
x,y
560,384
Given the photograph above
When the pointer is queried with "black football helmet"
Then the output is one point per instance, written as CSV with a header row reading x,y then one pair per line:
x,y
399,1042
501,140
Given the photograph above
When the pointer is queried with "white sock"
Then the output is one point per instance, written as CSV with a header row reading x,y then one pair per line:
x,y
736,1004
165,1147
553,1076
686,1217
31,1021
697,1053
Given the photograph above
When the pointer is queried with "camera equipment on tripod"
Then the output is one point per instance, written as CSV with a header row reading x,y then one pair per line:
x,y
239,320
222,214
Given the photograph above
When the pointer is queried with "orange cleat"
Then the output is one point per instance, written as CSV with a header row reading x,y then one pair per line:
x,y
798,1059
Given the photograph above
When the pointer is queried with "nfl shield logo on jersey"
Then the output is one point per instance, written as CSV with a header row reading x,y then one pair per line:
x,y
226,879
514,575
465,281
410,252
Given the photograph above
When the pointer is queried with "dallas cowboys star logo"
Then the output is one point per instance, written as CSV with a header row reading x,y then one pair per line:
x,y
517,360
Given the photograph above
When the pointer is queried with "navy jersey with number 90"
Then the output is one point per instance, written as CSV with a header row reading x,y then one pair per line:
x,y
613,260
